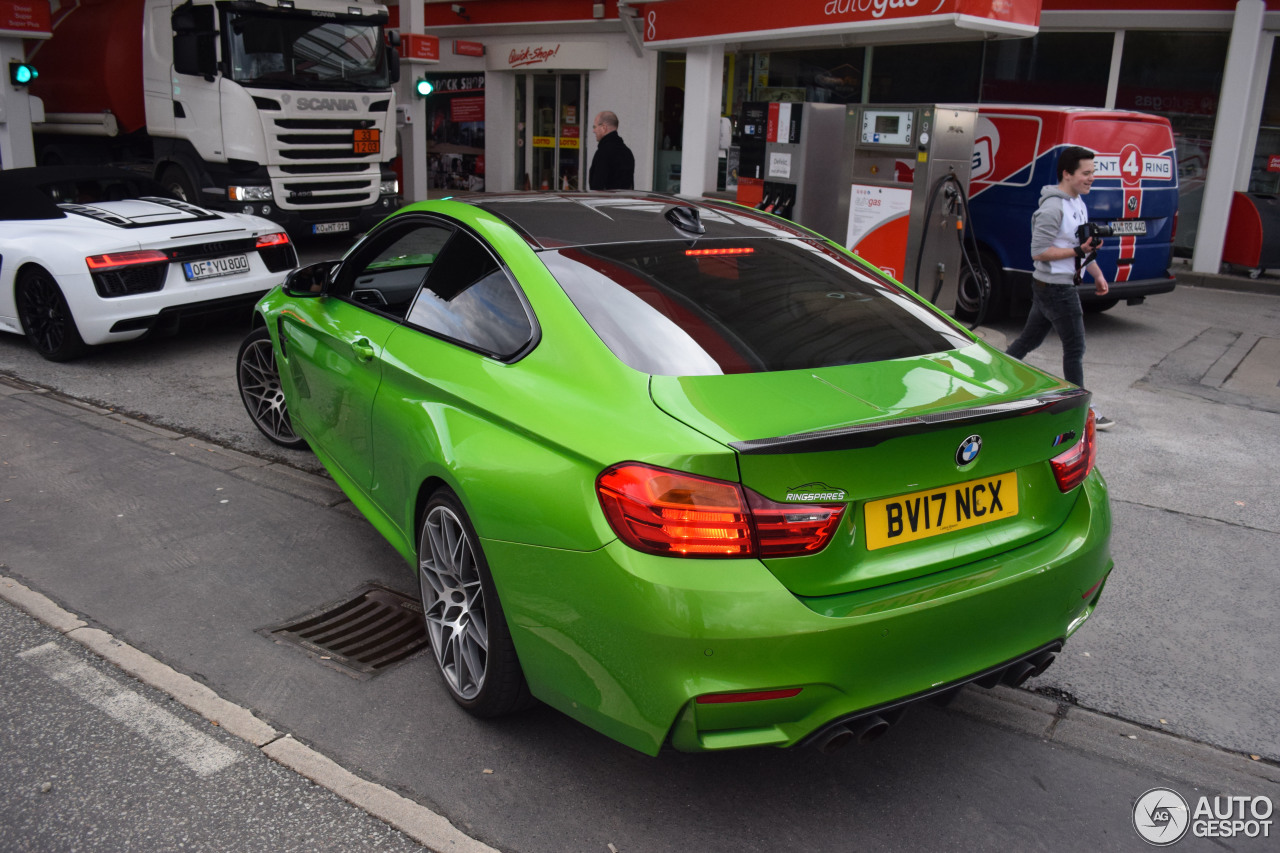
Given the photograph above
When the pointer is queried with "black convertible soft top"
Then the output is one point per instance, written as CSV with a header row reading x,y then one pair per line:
x,y
36,192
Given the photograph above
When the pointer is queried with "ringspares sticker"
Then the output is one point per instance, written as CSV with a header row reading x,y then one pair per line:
x,y
1162,817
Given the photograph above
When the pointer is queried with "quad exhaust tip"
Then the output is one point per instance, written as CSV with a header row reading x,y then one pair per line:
x,y
870,727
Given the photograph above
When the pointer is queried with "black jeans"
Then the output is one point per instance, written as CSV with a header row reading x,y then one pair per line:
x,y
1057,307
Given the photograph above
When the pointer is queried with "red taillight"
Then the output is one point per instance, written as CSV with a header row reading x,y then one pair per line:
x,y
1175,227
753,696
1070,468
710,253
114,260
266,240
682,515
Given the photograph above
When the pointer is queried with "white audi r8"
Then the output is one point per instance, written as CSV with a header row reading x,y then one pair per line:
x,y
90,255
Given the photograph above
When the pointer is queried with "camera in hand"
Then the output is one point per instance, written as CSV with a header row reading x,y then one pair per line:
x,y
1094,231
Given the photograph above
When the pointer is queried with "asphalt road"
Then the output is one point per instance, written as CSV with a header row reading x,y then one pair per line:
x,y
186,552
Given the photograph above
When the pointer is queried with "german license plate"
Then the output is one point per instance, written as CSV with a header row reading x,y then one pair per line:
x,y
330,227
1129,227
932,512
367,142
231,265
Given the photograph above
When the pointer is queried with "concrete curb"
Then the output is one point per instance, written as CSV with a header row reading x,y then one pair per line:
x,y
416,821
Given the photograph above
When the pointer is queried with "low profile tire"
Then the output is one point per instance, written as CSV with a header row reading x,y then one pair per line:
x,y
46,318
176,181
260,390
1097,306
464,619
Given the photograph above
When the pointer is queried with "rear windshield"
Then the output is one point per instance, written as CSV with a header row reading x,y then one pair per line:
x,y
751,306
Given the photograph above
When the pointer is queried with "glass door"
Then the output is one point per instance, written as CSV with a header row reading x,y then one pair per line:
x,y
554,116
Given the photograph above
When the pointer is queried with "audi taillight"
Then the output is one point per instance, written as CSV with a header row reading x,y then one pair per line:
x,y
267,240
1070,468
115,260
675,514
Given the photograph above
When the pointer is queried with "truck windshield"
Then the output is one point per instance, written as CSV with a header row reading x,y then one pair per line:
x,y
280,51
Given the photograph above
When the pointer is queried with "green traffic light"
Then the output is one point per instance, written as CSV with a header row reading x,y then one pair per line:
x,y
20,73
423,87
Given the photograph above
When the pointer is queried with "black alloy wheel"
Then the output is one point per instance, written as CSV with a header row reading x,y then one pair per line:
x,y
46,317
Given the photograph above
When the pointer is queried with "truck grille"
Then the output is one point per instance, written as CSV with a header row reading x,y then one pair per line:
x,y
320,147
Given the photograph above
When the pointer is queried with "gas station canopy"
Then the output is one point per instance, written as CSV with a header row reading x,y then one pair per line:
x,y
685,23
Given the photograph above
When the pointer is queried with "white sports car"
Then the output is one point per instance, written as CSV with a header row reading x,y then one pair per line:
x,y
90,255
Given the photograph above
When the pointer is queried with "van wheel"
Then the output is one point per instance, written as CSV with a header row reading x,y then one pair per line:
x,y
968,293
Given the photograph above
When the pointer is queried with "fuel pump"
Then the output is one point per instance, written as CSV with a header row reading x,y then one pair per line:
x,y
907,168
801,141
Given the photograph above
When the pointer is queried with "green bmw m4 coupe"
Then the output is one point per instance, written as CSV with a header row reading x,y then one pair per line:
x,y
683,470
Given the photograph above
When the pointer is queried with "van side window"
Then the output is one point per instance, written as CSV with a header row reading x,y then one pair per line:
x,y
468,298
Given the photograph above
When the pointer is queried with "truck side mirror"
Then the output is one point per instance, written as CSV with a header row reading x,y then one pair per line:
x,y
195,41
393,66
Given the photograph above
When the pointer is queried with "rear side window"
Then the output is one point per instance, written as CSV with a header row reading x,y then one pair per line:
x,y
752,306
468,298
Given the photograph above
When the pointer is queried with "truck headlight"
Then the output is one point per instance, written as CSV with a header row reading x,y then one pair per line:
x,y
391,187
249,193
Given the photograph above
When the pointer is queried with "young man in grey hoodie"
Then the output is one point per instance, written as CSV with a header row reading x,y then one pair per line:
x,y
1055,304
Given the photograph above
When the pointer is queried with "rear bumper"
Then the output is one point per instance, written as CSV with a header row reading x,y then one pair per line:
x,y
1128,289
627,642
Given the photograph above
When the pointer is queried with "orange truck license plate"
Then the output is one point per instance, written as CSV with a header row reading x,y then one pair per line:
x,y
919,515
367,142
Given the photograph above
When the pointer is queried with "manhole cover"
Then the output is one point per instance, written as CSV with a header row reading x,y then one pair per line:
x,y
363,635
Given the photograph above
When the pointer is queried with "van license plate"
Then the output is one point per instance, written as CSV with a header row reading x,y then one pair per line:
x,y
330,227
196,270
919,515
1129,227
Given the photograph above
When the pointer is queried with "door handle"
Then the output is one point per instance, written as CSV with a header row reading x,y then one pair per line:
x,y
363,349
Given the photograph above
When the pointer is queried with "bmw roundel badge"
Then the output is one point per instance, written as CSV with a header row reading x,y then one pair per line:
x,y
968,450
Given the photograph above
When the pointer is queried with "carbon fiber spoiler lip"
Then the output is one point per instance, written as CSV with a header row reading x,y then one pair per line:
x,y
869,435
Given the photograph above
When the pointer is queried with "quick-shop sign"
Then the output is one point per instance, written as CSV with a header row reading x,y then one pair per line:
x,y
551,55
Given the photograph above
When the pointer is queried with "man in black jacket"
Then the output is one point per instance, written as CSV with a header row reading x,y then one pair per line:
x,y
613,167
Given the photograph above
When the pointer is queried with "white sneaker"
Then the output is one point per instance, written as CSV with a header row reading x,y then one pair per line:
x,y
1102,423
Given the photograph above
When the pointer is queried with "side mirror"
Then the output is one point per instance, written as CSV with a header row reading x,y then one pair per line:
x,y
393,66
311,280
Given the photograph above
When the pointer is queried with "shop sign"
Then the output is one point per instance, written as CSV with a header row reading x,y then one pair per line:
x,y
467,48
569,137
1273,163
677,22
25,19
581,56
544,142
415,47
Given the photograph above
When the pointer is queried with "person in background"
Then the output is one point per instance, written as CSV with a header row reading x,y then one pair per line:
x,y
1060,257
613,167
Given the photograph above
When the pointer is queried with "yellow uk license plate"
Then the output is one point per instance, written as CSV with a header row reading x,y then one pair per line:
x,y
919,515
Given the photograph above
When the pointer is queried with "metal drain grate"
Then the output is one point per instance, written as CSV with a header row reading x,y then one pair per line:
x,y
363,635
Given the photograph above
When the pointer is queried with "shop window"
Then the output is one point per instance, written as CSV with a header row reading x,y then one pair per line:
x,y
1067,69
1178,75
926,73
1265,175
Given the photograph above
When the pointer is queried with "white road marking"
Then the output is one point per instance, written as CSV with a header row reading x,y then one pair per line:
x,y
202,754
